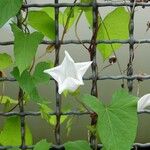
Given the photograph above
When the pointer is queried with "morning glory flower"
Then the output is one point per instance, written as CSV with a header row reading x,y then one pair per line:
x,y
143,103
69,74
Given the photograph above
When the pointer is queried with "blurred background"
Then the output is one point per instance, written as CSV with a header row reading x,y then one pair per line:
x,y
39,127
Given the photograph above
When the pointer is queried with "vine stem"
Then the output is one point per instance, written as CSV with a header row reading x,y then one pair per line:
x,y
76,32
92,52
57,48
21,95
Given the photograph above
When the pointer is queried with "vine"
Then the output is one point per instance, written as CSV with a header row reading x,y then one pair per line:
x,y
115,125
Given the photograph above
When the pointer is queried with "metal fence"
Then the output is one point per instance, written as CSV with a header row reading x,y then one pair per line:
x,y
94,76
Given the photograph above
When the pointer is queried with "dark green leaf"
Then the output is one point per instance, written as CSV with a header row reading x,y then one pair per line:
x,y
92,102
42,145
5,61
25,47
26,82
11,133
77,145
112,28
39,76
8,9
41,21
117,123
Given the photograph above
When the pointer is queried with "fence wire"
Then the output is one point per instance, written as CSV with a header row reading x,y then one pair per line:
x,y
94,77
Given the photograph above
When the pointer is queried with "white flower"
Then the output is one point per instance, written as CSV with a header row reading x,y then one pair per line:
x,y
143,102
69,74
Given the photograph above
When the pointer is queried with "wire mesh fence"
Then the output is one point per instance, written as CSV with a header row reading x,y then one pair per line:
x,y
94,76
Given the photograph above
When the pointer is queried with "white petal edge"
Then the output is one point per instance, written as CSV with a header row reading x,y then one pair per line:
x,y
70,84
82,67
143,102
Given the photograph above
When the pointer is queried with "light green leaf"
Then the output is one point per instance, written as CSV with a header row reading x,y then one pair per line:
x,y
11,133
41,21
5,61
7,100
25,47
117,123
112,28
8,9
39,76
51,119
51,12
69,16
77,145
42,145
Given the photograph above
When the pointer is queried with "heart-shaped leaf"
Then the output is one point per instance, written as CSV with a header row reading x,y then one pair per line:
x,y
25,47
117,122
112,28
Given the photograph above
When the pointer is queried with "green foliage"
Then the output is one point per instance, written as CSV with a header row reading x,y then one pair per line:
x,y
11,133
8,9
39,76
86,1
30,82
45,24
14,148
117,122
112,28
42,145
45,110
25,47
7,100
77,145
26,82
5,61
51,12
69,16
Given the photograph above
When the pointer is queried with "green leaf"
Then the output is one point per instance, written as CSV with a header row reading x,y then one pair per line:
x,y
112,28
86,8
69,16
41,21
117,123
25,47
77,145
92,102
51,119
8,9
11,133
42,145
26,82
7,100
86,1
14,148
39,76
5,61
51,12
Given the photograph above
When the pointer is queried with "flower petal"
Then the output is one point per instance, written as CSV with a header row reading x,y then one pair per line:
x,y
82,67
70,84
144,102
